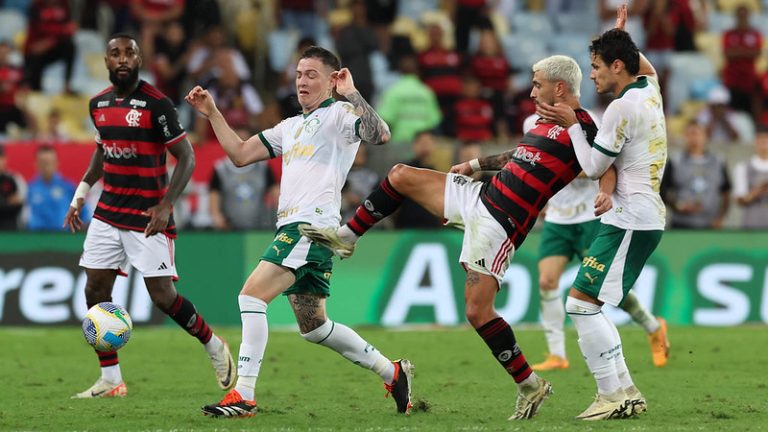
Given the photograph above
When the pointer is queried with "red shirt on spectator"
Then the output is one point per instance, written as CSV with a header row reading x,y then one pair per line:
x,y
740,73
474,120
492,71
440,71
10,82
48,21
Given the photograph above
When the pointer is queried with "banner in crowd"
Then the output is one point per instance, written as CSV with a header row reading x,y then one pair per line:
x,y
394,279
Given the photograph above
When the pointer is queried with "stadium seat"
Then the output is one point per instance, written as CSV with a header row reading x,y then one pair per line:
x,y
532,24
282,44
574,45
523,50
575,22
414,9
89,41
12,22
720,21
686,68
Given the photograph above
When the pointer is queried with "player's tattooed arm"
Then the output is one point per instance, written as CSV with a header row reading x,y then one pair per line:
x,y
309,311
373,129
495,162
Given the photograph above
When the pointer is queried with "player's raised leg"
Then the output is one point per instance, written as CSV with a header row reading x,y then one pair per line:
x,y
552,312
98,288
316,327
656,327
424,186
265,283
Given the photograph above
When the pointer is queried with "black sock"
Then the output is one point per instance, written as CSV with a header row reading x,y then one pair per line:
x,y
499,337
382,202
184,313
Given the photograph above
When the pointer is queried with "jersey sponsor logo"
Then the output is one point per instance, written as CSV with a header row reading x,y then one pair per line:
x,y
285,238
133,118
136,102
116,152
298,151
555,132
527,156
287,212
592,263
102,104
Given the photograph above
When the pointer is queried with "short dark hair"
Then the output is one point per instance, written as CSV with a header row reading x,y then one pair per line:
x,y
123,35
326,57
614,45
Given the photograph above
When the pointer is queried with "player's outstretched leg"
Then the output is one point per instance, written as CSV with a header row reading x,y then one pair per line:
x,y
397,375
656,327
596,338
382,202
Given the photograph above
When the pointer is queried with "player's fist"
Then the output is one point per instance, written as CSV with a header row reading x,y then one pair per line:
x,y
201,100
344,83
603,203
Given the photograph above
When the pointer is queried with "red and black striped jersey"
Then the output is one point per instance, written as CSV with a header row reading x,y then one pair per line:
x,y
134,133
542,163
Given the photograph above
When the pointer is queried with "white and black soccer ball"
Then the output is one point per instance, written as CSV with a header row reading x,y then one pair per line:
x,y
107,326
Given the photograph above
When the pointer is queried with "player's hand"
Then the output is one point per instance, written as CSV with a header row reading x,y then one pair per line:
x,y
201,100
603,203
158,218
344,83
621,16
72,219
462,168
559,114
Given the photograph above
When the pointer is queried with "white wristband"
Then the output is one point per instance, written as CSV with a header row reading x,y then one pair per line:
x,y
80,192
475,165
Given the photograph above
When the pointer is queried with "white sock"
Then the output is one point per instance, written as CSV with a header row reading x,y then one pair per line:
x,y
347,234
597,342
214,345
349,344
552,319
253,314
621,365
112,373
639,314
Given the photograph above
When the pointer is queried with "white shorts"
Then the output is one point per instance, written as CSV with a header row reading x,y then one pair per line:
x,y
107,247
486,248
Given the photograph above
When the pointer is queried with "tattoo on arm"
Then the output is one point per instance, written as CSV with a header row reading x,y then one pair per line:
x,y
309,311
372,128
496,162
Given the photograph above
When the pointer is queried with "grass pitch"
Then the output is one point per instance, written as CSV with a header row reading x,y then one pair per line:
x,y
716,380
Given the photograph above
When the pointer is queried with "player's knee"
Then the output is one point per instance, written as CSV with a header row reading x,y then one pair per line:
x,y
478,314
547,282
398,176
96,292
574,306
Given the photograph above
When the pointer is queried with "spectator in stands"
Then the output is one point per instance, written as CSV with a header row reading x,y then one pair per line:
x,y
11,200
237,100
761,104
741,48
472,114
696,185
381,14
688,18
361,181
411,215
490,66
200,15
718,118
301,15
207,58
441,70
49,193
54,130
659,38
286,92
11,86
408,105
242,198
50,32
469,14
354,44
169,64
152,16
750,185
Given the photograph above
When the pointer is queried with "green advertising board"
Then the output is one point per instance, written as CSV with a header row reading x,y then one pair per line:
x,y
394,279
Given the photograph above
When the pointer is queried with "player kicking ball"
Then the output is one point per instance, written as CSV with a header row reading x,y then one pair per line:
x,y
318,147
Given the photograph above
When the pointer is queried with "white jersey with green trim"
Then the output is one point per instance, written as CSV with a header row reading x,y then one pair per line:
x,y
575,203
634,131
318,149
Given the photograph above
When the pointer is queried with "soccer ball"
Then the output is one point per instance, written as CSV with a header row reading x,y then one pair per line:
x,y
107,326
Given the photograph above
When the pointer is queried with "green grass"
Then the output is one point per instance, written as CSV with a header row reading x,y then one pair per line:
x,y
716,380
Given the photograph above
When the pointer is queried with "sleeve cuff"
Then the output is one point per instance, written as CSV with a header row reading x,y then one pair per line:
x,y
267,145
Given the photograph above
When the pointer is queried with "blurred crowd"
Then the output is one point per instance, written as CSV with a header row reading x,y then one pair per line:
x,y
451,77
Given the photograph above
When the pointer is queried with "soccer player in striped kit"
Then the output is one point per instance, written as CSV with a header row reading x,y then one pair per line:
x,y
133,222
496,216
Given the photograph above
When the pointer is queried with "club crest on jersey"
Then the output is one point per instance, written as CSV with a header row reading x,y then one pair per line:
x,y
555,132
527,156
133,118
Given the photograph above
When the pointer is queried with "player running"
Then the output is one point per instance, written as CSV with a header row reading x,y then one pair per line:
x,y
496,216
318,148
633,139
133,222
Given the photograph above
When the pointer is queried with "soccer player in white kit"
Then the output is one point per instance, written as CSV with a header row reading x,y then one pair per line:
x,y
632,138
571,223
318,147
